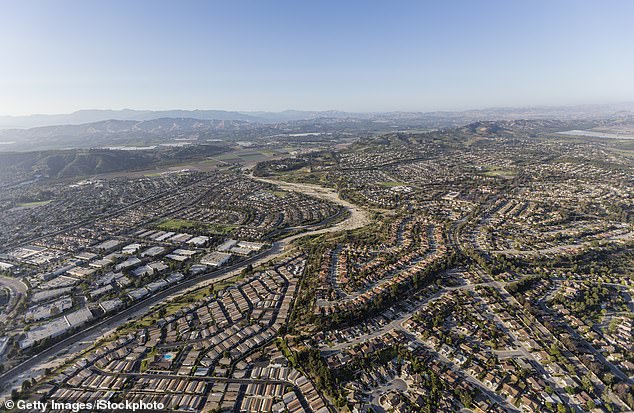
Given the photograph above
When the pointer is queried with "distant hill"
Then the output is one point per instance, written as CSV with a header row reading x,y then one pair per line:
x,y
179,130
91,116
21,166
111,133
528,126
502,113
294,115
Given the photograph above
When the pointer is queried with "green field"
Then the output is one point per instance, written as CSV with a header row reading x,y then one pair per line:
x,y
178,224
252,155
390,184
243,155
501,173
490,170
172,224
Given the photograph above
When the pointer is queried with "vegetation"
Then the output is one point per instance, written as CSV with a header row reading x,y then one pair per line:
x,y
171,224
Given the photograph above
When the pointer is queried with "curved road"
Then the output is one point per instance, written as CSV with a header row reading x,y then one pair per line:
x,y
358,217
17,291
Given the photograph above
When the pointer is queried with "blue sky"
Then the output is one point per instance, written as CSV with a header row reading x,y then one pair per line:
x,y
60,56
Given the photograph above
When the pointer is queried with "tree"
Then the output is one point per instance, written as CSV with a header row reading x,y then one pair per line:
x,y
609,379
247,270
586,383
26,384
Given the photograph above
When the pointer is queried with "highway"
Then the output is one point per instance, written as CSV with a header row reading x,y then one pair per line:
x,y
88,335
94,331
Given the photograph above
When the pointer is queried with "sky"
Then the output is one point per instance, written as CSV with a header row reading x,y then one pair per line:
x,y
61,56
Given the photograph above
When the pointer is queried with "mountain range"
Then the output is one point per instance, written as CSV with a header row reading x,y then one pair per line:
x,y
111,133
146,129
503,113
98,115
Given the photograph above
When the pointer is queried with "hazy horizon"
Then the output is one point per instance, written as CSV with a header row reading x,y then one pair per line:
x,y
60,57
333,109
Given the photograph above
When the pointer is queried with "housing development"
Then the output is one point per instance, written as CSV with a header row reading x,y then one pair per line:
x,y
325,265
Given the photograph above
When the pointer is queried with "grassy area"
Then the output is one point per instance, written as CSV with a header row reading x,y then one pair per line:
x,y
316,178
178,224
226,156
148,320
246,156
34,204
252,155
226,283
201,293
390,184
280,194
210,162
501,173
172,224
